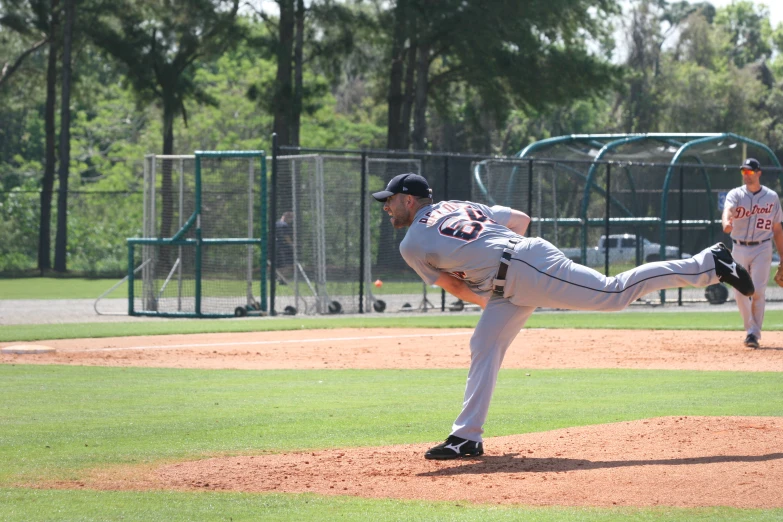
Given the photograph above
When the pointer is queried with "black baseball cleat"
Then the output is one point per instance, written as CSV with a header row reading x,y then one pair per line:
x,y
751,341
455,448
731,272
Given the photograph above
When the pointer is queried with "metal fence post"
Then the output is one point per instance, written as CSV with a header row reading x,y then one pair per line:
x,y
363,241
679,226
131,280
446,197
606,218
530,188
272,232
264,245
199,240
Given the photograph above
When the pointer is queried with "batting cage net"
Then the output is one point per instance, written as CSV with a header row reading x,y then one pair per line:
x,y
335,249
317,245
201,253
616,207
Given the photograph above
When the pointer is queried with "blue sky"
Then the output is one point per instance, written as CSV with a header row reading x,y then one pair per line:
x,y
775,8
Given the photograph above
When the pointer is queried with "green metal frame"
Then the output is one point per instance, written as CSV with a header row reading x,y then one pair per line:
x,y
195,221
197,244
591,174
607,143
701,141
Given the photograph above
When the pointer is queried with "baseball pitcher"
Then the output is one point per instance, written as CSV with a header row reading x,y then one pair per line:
x,y
752,216
479,254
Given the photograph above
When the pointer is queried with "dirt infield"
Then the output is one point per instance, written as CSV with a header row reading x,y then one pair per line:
x,y
672,461
387,348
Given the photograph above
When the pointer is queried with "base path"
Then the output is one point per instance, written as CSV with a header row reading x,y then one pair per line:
x,y
389,348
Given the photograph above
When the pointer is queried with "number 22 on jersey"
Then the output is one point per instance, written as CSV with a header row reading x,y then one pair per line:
x,y
763,224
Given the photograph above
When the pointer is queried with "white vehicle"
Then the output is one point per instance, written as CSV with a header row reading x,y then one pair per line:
x,y
623,249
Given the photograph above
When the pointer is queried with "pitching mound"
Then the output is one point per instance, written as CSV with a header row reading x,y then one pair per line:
x,y
668,461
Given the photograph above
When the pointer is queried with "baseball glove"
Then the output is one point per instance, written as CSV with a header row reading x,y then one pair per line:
x,y
779,275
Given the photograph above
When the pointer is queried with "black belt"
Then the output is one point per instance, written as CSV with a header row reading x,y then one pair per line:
x,y
749,243
505,259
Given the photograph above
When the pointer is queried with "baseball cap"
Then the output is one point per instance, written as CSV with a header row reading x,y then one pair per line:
x,y
751,163
409,184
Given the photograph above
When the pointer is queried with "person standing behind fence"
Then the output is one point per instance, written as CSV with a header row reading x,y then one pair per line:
x,y
284,246
752,215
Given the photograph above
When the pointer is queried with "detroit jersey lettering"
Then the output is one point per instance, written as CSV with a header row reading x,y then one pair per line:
x,y
457,237
753,214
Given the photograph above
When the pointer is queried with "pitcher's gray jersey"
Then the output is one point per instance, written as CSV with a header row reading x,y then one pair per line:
x,y
462,238
753,214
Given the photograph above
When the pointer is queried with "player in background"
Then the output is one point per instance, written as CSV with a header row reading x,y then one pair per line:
x,y
284,247
752,216
479,254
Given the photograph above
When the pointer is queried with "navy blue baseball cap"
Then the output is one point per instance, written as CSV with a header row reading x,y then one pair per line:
x,y
751,163
409,184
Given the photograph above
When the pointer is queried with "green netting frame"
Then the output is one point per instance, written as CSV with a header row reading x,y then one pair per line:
x,y
679,151
193,226
611,142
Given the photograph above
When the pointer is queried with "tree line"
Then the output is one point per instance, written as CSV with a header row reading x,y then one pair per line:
x,y
90,86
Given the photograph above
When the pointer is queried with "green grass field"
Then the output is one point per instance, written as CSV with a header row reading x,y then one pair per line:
x,y
58,422
58,288
728,320
81,288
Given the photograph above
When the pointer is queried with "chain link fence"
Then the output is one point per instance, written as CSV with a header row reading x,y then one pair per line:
x,y
610,215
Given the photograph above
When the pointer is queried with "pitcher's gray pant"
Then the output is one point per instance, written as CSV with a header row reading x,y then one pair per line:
x,y
757,260
540,275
